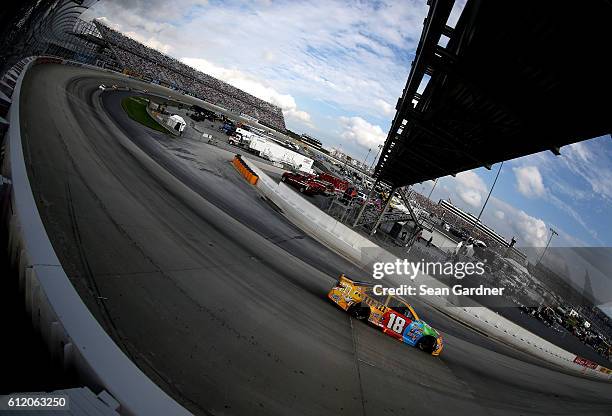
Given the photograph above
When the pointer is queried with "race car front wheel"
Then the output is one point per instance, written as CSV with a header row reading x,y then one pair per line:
x,y
427,344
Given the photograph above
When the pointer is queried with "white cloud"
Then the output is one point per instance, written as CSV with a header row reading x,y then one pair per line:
x,y
533,230
386,108
529,181
581,150
509,221
592,165
470,179
360,131
269,56
299,115
575,215
107,22
253,86
470,188
471,197
123,18
151,42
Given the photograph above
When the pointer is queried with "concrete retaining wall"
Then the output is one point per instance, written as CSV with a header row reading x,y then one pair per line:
x,y
355,247
72,334
311,219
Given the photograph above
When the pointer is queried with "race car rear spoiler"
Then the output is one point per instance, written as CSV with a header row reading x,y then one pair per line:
x,y
356,282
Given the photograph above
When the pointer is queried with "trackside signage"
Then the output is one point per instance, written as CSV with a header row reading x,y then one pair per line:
x,y
585,363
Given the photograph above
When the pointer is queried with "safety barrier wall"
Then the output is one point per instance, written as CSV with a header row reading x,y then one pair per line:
x,y
74,337
310,218
244,170
355,247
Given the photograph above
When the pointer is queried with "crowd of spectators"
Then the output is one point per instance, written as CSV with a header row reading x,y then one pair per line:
x,y
152,65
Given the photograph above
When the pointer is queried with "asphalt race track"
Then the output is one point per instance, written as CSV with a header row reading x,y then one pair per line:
x,y
220,300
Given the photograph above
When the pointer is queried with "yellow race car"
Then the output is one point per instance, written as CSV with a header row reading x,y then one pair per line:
x,y
394,316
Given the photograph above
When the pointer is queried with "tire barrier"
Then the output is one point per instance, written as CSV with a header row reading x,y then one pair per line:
x,y
245,170
74,337
350,244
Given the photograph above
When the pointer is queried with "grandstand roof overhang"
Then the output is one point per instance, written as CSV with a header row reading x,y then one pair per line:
x,y
516,77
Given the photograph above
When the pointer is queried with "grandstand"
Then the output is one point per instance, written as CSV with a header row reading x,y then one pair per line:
x,y
469,221
138,60
459,219
311,141
57,30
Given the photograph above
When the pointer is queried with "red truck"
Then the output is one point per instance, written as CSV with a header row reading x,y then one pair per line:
x,y
307,184
339,184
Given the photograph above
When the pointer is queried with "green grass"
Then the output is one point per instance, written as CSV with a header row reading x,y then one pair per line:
x,y
136,109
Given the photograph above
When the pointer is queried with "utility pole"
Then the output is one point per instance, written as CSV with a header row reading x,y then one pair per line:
x,y
552,234
366,158
488,196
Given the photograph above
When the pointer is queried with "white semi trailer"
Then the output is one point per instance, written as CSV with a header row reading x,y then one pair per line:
x,y
269,149
242,137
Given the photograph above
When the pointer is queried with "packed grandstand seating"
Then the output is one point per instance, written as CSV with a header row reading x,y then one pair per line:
x,y
152,65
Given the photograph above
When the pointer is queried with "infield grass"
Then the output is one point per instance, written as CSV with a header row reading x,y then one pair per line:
x,y
136,109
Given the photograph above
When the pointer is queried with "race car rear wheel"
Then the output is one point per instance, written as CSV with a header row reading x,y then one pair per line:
x,y
359,312
427,344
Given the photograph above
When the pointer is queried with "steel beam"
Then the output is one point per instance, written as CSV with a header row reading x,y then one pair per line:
x,y
385,208
363,207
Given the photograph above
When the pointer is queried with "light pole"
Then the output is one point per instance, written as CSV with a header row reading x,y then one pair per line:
x,y
366,158
432,188
488,196
552,234
380,146
344,156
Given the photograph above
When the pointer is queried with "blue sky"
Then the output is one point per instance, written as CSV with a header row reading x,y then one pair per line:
x,y
337,68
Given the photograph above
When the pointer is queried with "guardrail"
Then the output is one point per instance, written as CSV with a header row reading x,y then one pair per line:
x,y
353,246
70,331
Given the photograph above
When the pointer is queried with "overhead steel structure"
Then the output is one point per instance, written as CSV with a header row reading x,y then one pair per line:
x,y
512,78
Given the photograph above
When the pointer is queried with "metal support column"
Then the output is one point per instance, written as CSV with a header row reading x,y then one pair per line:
x,y
365,203
406,200
385,208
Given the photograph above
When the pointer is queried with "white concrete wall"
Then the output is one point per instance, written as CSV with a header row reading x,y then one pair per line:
x,y
70,331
